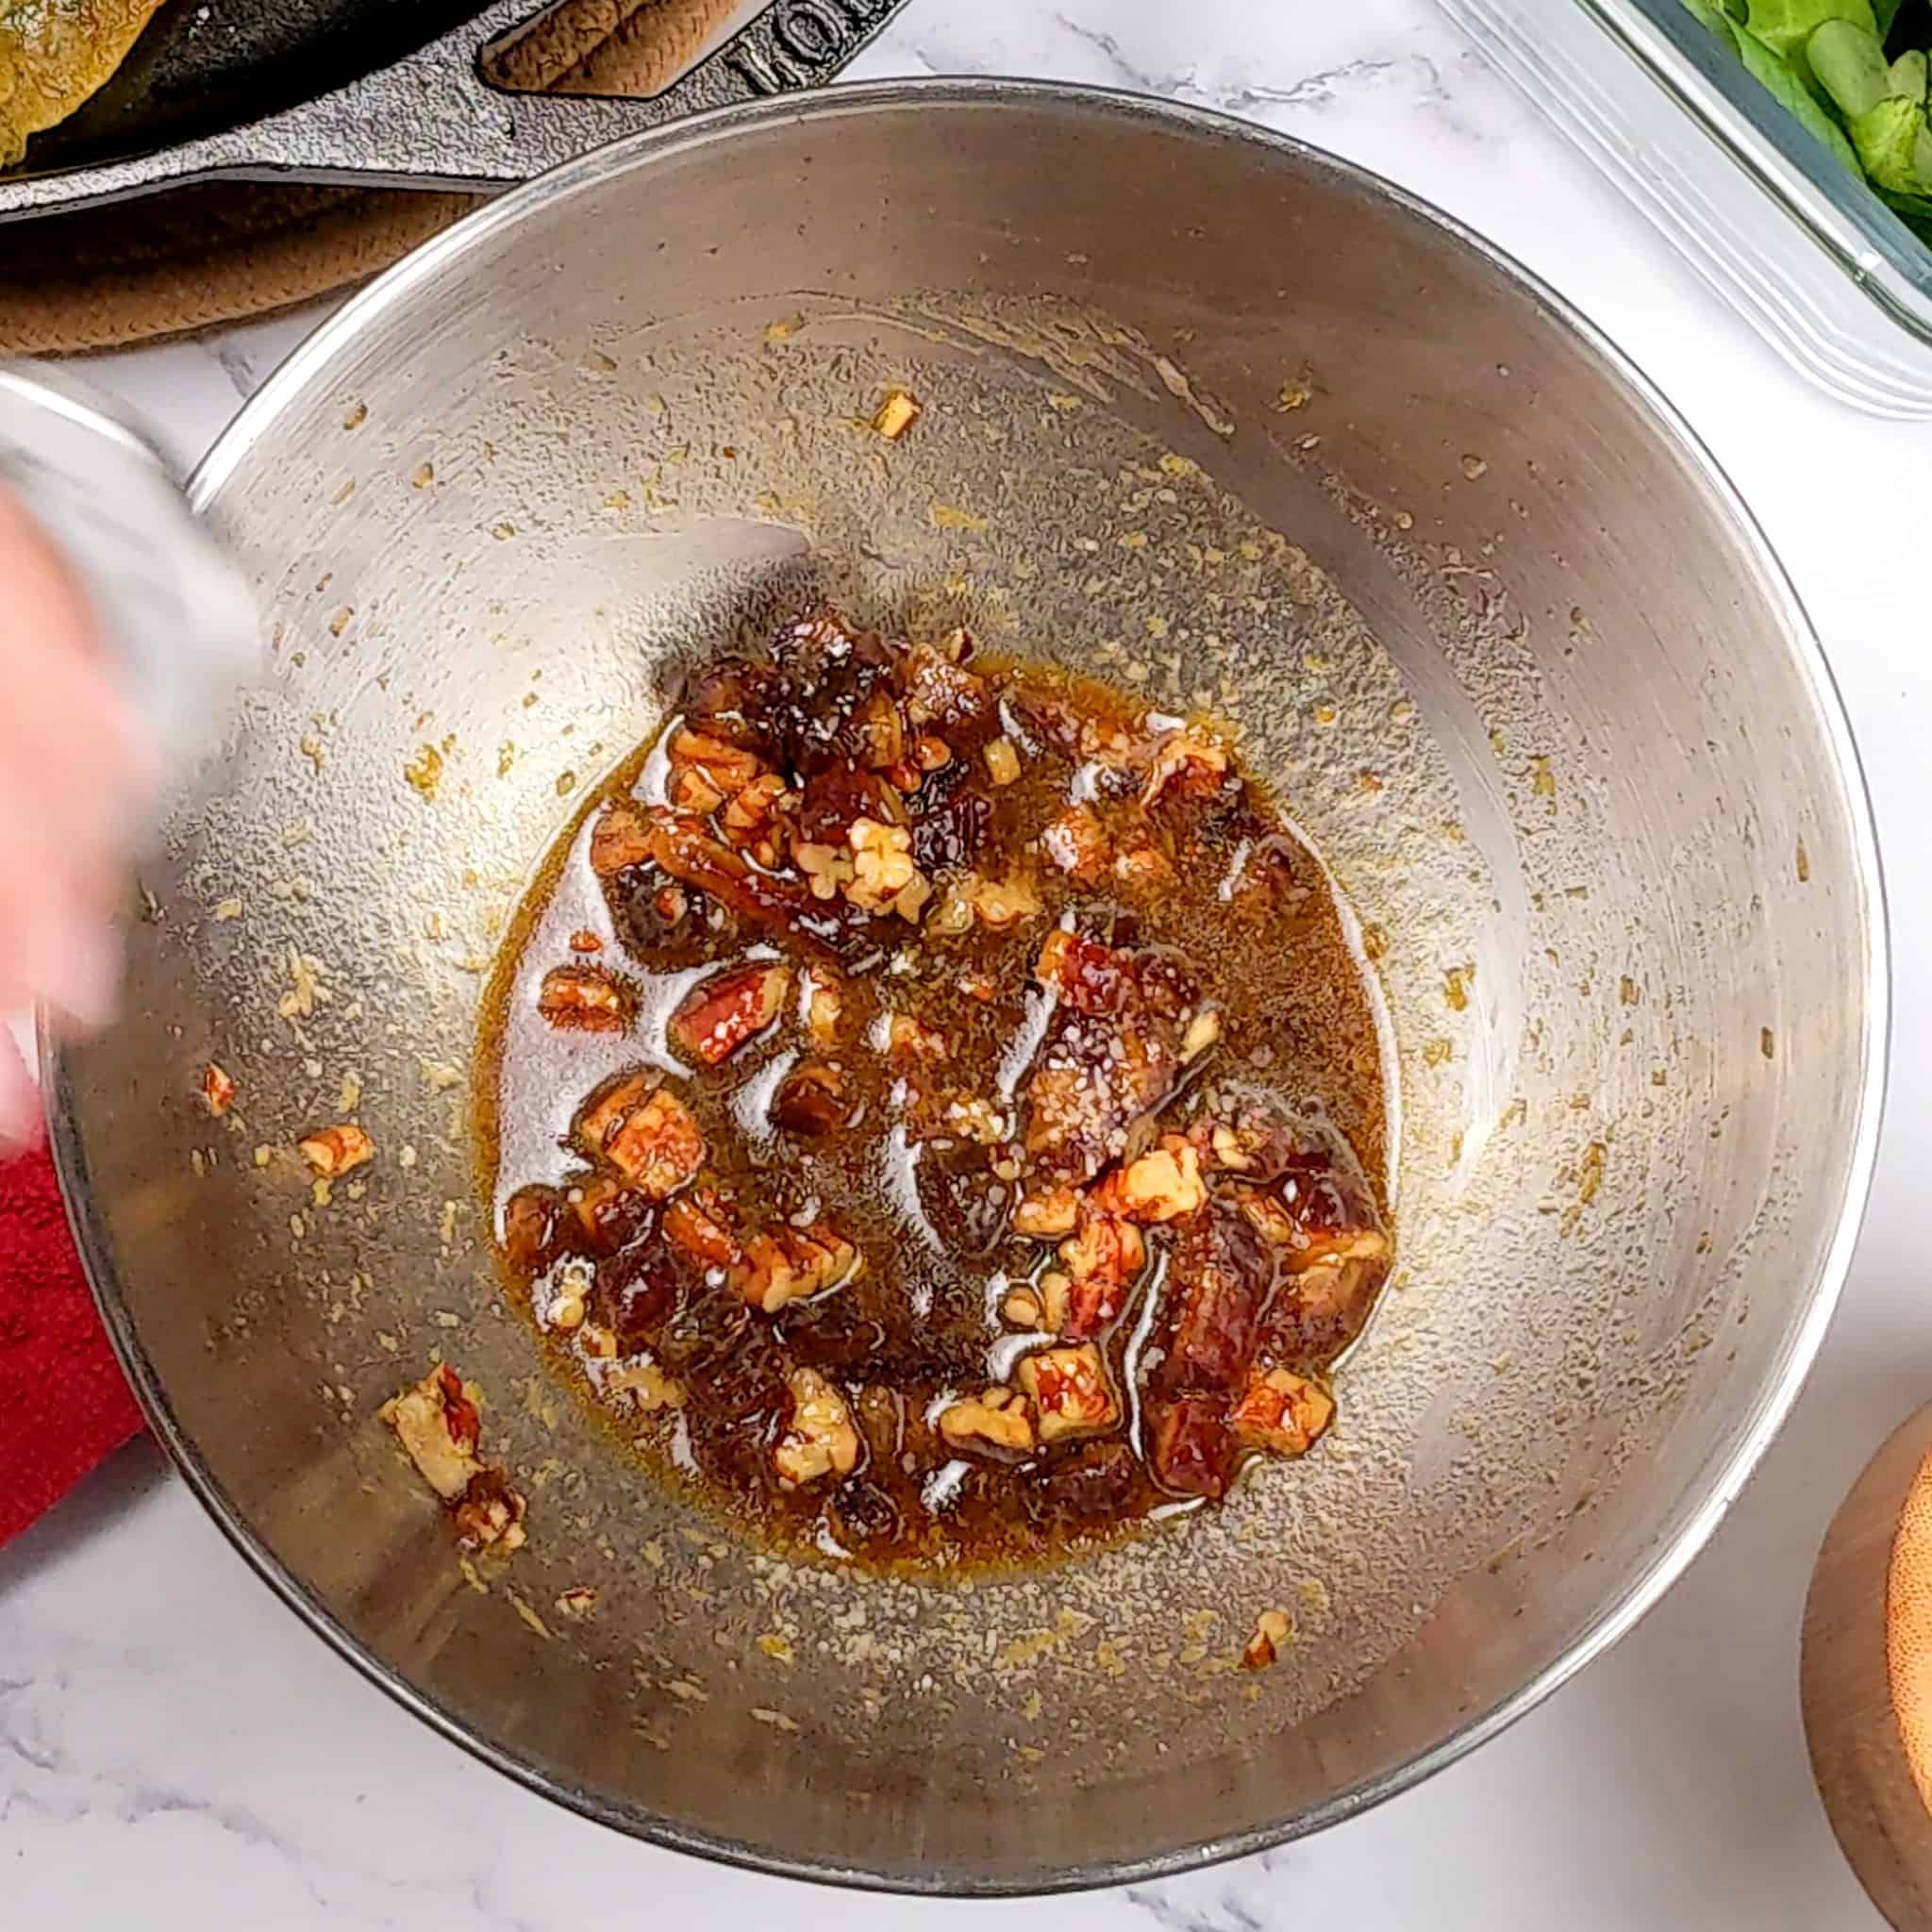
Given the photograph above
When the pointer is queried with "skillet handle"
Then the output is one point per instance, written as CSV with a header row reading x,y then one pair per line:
x,y
432,121
479,136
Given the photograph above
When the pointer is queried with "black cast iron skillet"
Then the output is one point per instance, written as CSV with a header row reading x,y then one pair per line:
x,y
384,92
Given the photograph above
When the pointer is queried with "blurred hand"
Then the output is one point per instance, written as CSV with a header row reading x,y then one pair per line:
x,y
75,772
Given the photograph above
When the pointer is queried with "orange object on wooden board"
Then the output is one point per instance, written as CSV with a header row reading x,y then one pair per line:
x,y
1866,1676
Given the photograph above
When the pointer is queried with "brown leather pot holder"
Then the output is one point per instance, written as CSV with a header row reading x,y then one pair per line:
x,y
164,264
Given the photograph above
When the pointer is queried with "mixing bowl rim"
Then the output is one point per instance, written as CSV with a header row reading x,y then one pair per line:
x,y
1721,1484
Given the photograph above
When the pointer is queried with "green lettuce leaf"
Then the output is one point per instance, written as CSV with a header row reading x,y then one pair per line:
x,y
1782,81
1784,25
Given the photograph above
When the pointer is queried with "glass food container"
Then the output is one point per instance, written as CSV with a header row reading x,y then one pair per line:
x,y
1813,259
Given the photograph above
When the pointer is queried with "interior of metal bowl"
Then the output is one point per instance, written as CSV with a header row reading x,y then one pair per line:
x,y
1210,414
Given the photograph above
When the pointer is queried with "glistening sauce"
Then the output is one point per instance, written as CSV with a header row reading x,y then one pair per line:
x,y
930,1102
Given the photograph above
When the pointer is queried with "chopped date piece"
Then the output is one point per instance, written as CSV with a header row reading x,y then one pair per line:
x,y
1103,1259
820,1439
994,1422
585,940
863,1513
335,1149
610,1213
489,1512
642,1286
682,847
1282,1412
1322,1307
1220,1282
1089,1485
942,695
965,1202
699,1226
828,673
732,700
531,1223
1251,1136
831,1334
1111,1056
584,999
786,1264
950,838
837,796
719,1016
1069,1388
1193,1453
619,838
811,1101
645,1131
217,1089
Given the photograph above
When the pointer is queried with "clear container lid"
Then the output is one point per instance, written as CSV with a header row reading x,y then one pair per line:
x,y
1814,260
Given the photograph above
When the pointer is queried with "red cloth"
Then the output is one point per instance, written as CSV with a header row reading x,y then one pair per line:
x,y
64,1403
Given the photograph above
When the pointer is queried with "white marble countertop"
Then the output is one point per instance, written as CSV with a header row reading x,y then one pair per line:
x,y
175,1750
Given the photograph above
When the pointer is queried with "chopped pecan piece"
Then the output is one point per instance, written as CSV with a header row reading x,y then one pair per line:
x,y
1187,764
1076,843
1047,1214
787,1264
1271,1631
1164,1184
719,1015
896,414
490,1511
1069,1388
1104,1258
334,1151
699,1226
994,1423
941,693
728,768
619,840
820,1439
643,1130
584,999
659,1146
909,1043
217,1089
437,1422
1282,1412
823,1004
1002,760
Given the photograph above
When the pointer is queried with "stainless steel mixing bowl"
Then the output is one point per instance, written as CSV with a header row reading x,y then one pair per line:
x,y
1229,420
